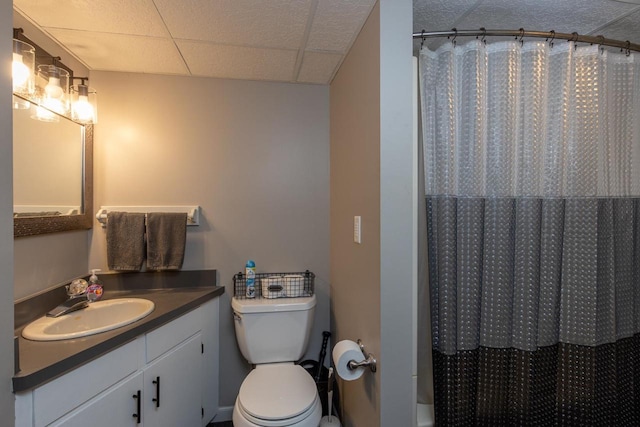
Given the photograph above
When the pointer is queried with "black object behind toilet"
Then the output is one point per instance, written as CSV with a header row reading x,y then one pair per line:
x,y
320,375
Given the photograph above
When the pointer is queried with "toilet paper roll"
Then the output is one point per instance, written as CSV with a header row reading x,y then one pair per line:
x,y
343,352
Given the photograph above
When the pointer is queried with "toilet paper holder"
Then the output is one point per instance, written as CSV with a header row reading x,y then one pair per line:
x,y
369,361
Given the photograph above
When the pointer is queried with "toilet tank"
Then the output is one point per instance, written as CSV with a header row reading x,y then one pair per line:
x,y
273,330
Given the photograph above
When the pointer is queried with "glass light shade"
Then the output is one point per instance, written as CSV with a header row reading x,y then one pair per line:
x,y
84,104
20,104
45,115
24,60
55,93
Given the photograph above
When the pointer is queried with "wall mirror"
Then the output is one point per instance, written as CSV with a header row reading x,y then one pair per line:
x,y
52,154
52,173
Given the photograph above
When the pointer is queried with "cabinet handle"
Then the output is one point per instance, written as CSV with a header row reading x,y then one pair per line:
x,y
157,398
138,414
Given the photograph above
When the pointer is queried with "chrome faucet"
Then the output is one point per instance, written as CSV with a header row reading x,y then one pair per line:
x,y
77,292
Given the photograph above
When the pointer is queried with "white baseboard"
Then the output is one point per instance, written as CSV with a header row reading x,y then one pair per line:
x,y
225,413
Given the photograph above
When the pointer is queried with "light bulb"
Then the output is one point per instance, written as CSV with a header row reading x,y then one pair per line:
x,y
20,72
54,104
83,110
53,89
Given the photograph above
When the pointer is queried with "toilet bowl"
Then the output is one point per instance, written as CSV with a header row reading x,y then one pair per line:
x,y
278,395
271,334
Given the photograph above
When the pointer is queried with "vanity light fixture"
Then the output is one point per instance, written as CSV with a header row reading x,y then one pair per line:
x,y
84,104
24,59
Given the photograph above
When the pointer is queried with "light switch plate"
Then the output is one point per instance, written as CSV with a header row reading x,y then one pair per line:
x,y
357,229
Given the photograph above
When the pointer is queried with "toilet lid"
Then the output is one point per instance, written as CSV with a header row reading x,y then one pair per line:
x,y
277,391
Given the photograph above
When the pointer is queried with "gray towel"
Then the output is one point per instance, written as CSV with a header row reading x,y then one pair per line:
x,y
125,241
166,238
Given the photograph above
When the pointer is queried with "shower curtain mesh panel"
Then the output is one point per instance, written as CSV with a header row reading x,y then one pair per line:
x,y
532,177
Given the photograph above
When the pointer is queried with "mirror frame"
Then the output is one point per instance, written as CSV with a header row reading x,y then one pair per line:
x,y
31,226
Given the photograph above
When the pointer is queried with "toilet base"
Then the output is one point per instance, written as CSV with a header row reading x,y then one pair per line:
x,y
313,420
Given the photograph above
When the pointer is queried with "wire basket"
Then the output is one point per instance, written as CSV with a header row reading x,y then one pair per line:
x,y
276,285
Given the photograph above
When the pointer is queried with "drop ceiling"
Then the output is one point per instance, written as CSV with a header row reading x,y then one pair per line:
x,y
299,41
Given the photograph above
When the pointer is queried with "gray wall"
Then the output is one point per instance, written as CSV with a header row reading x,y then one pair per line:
x,y
6,220
398,220
253,155
373,166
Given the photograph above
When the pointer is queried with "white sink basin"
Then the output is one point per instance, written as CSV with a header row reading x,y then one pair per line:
x,y
99,317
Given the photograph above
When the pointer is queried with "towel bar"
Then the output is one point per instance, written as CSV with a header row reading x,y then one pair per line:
x,y
193,212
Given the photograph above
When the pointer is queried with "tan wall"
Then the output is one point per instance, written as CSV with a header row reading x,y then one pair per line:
x,y
355,190
254,156
373,174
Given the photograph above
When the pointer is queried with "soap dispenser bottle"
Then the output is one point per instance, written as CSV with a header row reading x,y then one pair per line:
x,y
94,291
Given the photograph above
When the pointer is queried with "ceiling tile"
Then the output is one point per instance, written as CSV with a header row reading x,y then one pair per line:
x,y
258,23
336,24
236,62
626,28
115,52
138,17
564,16
438,15
318,67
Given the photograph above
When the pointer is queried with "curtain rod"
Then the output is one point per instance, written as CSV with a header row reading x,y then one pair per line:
x,y
519,34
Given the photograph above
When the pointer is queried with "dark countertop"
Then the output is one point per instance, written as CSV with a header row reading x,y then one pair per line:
x,y
173,294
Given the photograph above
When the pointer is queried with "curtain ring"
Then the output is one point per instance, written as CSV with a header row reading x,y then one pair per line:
x,y
627,51
453,41
574,39
422,37
521,37
601,38
484,35
553,36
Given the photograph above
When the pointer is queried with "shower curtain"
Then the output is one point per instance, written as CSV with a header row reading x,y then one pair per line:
x,y
532,176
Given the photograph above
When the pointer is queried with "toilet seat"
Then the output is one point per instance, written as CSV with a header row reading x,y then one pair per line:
x,y
309,418
277,391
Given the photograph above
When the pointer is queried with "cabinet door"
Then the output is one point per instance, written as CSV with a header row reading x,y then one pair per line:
x,y
114,407
173,386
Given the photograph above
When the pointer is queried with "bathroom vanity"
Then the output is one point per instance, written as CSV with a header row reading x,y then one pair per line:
x,y
159,371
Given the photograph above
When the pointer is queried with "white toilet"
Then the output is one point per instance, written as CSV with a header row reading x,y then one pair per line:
x,y
272,334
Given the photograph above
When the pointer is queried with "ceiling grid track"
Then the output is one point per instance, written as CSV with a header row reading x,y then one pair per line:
x,y
305,39
173,40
